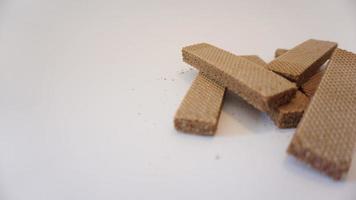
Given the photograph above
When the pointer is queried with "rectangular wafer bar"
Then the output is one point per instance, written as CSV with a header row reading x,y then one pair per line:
x,y
325,137
312,84
258,86
303,61
289,115
200,109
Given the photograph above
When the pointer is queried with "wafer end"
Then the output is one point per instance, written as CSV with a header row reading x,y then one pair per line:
x,y
195,127
280,99
333,170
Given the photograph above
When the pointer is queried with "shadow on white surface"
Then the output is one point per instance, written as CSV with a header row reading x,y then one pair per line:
x,y
245,118
187,73
352,173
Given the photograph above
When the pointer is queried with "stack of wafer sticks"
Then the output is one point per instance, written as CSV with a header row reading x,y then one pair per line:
x,y
293,89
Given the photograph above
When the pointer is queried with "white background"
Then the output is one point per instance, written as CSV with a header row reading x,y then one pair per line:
x,y
88,91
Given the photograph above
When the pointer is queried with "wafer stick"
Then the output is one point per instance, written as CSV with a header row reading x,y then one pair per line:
x,y
200,109
325,137
312,84
289,115
258,86
303,61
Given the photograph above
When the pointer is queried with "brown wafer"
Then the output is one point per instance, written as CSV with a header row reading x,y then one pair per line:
x,y
200,109
255,59
289,115
279,52
312,84
303,61
258,86
325,137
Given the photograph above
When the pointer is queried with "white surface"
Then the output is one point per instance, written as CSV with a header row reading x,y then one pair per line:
x,y
89,90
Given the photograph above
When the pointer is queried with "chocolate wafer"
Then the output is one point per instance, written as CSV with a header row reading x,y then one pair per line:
x,y
310,86
200,109
325,137
303,61
258,86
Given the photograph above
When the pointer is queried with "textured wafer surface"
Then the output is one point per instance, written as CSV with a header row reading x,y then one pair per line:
x,y
257,85
310,87
255,59
303,61
325,137
200,109
279,52
289,115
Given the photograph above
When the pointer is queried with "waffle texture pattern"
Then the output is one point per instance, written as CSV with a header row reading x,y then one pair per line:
x,y
257,85
279,52
310,87
326,135
303,61
200,109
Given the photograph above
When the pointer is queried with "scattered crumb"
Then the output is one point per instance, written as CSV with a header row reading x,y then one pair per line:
x,y
217,157
184,70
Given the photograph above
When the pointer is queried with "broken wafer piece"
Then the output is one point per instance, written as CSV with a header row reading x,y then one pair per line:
x,y
258,86
325,137
200,109
312,84
303,61
279,52
289,115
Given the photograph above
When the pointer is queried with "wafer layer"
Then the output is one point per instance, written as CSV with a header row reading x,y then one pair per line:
x,y
326,136
303,61
200,109
289,115
310,87
257,85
